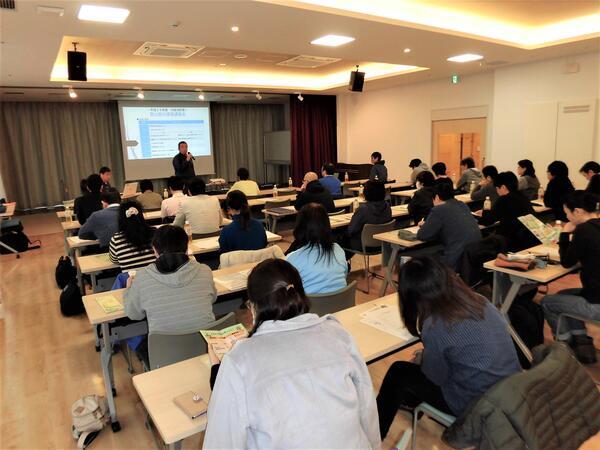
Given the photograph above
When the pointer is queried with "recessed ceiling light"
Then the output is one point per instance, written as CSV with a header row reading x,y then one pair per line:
x,y
72,93
222,64
240,56
407,50
201,96
332,40
102,14
140,95
235,28
467,57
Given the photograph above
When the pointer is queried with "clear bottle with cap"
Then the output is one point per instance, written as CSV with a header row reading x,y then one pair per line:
x,y
188,230
361,191
473,187
487,204
355,204
165,193
346,177
290,182
274,190
68,214
541,193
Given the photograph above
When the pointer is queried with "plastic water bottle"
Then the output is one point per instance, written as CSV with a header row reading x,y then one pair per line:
x,y
453,176
541,193
290,182
361,191
274,190
68,215
558,226
473,187
355,204
346,177
487,204
165,194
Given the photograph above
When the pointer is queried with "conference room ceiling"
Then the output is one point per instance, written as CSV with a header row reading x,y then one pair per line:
x,y
33,43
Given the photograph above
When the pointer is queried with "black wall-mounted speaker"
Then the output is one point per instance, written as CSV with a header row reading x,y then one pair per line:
x,y
77,66
357,80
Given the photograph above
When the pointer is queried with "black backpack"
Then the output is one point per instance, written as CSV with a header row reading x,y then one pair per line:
x,y
71,303
13,236
65,272
527,318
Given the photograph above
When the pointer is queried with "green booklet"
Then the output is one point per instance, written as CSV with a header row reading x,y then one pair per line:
x,y
223,340
110,304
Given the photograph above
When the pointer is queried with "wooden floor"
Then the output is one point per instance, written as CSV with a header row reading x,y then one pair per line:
x,y
48,361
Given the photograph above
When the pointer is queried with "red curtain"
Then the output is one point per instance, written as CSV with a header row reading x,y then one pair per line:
x,y
314,134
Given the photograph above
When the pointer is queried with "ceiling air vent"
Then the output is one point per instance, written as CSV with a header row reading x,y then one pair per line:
x,y
166,50
308,62
7,4
576,109
214,53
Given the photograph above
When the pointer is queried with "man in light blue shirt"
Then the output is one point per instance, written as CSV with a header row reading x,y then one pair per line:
x,y
330,182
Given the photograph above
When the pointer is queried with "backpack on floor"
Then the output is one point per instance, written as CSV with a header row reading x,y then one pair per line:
x,y
71,303
65,272
527,318
12,235
89,415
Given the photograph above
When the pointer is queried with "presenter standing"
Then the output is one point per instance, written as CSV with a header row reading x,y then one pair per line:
x,y
183,162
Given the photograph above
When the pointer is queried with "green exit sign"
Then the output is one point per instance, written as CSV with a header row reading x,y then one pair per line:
x,y
455,79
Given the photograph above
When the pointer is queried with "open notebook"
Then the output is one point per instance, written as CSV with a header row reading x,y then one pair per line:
x,y
234,281
387,319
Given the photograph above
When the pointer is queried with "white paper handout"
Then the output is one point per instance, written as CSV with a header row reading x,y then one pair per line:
x,y
234,281
386,319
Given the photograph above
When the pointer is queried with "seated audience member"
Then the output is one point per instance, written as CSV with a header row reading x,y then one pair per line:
x,y
466,345
248,187
148,199
131,246
451,223
422,200
299,381
175,293
104,223
591,171
486,187
105,174
243,233
511,205
312,191
529,184
170,206
375,210
90,201
579,243
559,186
331,182
470,174
439,171
203,212
378,171
417,167
320,261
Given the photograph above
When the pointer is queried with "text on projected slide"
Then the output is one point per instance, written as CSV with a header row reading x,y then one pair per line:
x,y
154,132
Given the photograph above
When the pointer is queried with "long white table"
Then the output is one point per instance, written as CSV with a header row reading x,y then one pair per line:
x,y
157,388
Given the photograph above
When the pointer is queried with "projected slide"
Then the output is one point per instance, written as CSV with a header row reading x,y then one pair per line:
x,y
154,132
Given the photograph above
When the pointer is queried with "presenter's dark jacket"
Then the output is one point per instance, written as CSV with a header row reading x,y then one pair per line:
x,y
87,204
183,168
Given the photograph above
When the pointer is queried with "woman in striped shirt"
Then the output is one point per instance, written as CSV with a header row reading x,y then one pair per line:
x,y
131,246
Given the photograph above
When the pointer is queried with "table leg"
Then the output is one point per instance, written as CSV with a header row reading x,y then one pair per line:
x,y
79,274
94,282
274,226
107,374
176,445
389,269
66,234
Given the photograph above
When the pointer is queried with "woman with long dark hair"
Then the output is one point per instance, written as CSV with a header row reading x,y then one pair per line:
x,y
244,233
320,261
299,381
529,184
467,347
559,186
131,246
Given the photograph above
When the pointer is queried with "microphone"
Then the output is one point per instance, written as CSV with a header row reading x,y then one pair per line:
x,y
191,156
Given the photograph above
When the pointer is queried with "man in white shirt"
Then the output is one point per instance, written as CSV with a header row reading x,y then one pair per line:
x,y
203,212
170,206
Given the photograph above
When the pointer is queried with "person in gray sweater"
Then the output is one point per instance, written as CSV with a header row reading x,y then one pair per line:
x,y
103,224
469,175
378,171
486,187
529,185
451,223
175,293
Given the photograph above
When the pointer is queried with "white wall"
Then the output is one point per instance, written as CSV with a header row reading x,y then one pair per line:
x,y
397,121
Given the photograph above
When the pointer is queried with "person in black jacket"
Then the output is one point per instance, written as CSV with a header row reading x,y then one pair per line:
x,y
559,186
106,175
422,200
591,171
579,243
375,211
312,191
89,202
511,205
183,163
486,187
439,170
378,171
